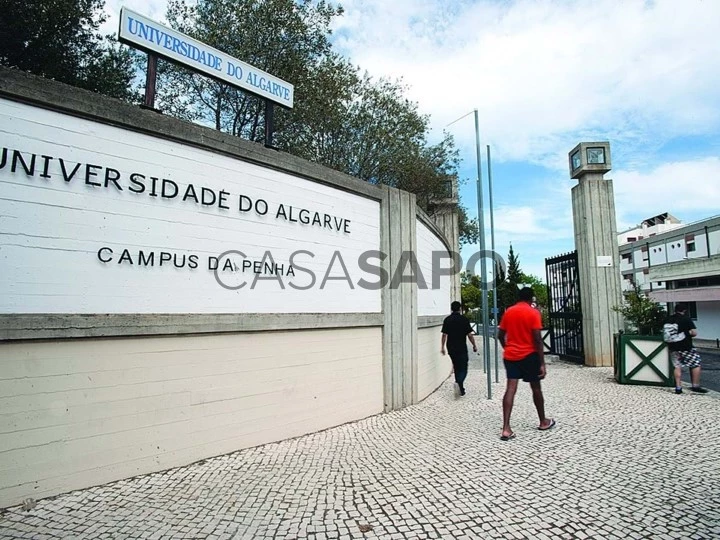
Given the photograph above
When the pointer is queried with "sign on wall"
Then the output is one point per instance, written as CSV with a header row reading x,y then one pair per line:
x,y
97,219
148,35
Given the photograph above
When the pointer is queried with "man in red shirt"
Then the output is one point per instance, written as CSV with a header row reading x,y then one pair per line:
x,y
519,334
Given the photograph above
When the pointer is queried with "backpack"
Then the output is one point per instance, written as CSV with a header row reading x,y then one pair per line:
x,y
671,334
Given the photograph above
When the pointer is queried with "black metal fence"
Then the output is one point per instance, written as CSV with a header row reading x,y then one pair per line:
x,y
564,307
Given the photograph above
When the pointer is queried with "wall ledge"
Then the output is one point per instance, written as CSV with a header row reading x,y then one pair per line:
x,y
73,326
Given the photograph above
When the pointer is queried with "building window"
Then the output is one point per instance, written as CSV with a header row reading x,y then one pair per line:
x,y
711,281
631,238
659,282
627,257
595,156
691,246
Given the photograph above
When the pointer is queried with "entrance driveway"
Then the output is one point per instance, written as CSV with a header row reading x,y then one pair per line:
x,y
625,462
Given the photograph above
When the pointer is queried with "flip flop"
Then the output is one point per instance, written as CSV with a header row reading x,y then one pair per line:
x,y
552,425
507,437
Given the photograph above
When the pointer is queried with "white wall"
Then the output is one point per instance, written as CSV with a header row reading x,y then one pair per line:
x,y
708,320
676,250
433,367
658,254
85,412
701,247
714,241
432,301
51,230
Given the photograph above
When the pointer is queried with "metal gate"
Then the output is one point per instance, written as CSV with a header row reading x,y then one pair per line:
x,y
564,307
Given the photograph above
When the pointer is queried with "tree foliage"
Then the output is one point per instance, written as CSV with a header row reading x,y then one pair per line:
x,y
470,291
60,40
508,281
538,287
467,227
642,314
286,38
341,118
514,274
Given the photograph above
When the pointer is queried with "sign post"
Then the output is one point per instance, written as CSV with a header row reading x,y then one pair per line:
x,y
269,123
150,79
158,40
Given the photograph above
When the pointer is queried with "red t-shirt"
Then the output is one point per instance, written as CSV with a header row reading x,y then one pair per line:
x,y
519,322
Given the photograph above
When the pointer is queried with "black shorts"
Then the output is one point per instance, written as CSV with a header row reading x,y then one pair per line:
x,y
527,369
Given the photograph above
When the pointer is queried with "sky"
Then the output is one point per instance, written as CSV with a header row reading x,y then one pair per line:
x,y
545,75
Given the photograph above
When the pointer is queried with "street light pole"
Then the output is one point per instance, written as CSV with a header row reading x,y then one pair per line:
x,y
483,264
492,247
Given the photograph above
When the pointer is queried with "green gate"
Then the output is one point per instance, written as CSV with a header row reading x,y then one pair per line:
x,y
642,360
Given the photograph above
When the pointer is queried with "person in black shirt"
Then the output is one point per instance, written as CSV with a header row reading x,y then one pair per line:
x,y
456,328
679,329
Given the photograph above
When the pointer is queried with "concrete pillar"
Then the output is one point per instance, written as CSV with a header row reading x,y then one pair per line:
x,y
398,237
445,215
598,256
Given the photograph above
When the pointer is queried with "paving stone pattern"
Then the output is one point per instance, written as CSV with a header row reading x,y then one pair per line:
x,y
626,462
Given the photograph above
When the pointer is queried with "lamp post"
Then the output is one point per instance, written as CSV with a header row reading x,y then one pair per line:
x,y
483,264
492,247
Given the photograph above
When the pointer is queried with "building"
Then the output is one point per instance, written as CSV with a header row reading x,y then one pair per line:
x,y
650,227
674,262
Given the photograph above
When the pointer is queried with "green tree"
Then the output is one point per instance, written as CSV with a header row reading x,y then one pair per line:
x,y
287,38
538,287
470,291
507,283
514,274
507,290
468,228
342,119
541,295
60,40
642,314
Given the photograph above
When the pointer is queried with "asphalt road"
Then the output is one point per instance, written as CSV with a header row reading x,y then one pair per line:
x,y
710,371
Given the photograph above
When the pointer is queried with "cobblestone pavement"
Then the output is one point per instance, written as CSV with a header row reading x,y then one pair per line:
x,y
623,462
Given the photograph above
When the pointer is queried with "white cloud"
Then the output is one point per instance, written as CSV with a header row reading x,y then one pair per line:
x,y
544,73
687,188
526,223
538,231
154,9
